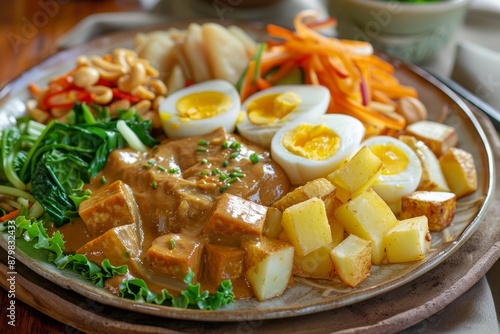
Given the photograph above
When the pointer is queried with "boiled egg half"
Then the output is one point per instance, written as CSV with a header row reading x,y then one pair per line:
x,y
401,171
310,149
200,109
267,111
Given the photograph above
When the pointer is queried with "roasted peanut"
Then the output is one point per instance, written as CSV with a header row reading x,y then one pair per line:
x,y
85,76
412,109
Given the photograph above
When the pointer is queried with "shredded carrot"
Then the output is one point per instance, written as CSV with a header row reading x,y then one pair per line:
x,y
248,88
10,215
263,83
34,89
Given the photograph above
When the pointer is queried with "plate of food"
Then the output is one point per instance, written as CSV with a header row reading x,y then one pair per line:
x,y
222,173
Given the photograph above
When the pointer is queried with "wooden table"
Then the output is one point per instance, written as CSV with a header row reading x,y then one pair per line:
x,y
30,30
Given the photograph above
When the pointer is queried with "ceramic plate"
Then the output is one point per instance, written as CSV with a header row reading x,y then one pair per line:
x,y
307,296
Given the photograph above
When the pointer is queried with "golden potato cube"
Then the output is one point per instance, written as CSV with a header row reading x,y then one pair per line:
x,y
269,264
357,175
114,205
459,171
352,260
338,231
272,224
409,240
173,255
223,262
368,217
316,188
437,136
234,218
438,206
432,178
118,245
316,264
306,225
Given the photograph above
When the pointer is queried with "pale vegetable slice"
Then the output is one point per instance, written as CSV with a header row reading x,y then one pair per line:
x,y
438,206
356,175
226,54
176,80
194,50
352,260
269,264
460,171
246,39
409,240
368,217
306,225
432,176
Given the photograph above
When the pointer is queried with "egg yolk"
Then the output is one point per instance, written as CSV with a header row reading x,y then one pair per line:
x,y
203,105
312,141
393,158
270,108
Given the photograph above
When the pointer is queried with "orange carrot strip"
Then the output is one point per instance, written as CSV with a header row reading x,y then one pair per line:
x,y
395,92
10,215
263,83
247,87
34,89
382,97
279,32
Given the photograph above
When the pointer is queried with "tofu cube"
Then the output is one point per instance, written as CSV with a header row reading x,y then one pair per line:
x,y
118,245
306,225
173,255
409,240
368,217
223,262
357,175
316,264
459,171
437,136
114,205
352,260
438,206
269,266
234,218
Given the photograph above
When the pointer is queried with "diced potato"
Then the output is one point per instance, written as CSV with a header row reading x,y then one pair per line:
x,y
460,171
223,262
357,175
352,260
337,229
269,264
316,264
118,245
409,240
368,217
111,206
173,255
316,188
438,137
432,176
439,208
234,218
306,225
272,224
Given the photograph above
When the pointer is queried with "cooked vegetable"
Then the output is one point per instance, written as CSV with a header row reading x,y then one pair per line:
x,y
352,260
408,240
437,136
459,171
438,206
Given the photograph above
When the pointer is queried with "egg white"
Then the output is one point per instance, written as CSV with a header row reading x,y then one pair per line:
x,y
391,188
300,169
175,127
315,101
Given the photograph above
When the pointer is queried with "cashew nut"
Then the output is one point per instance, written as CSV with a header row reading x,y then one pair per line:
x,y
411,109
85,76
83,61
37,114
136,77
103,94
120,56
156,103
158,87
143,92
142,107
107,69
116,106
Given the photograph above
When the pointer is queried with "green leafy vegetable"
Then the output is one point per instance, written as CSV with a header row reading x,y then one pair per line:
x,y
191,297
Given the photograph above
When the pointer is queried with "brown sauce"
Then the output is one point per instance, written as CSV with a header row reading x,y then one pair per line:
x,y
176,191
